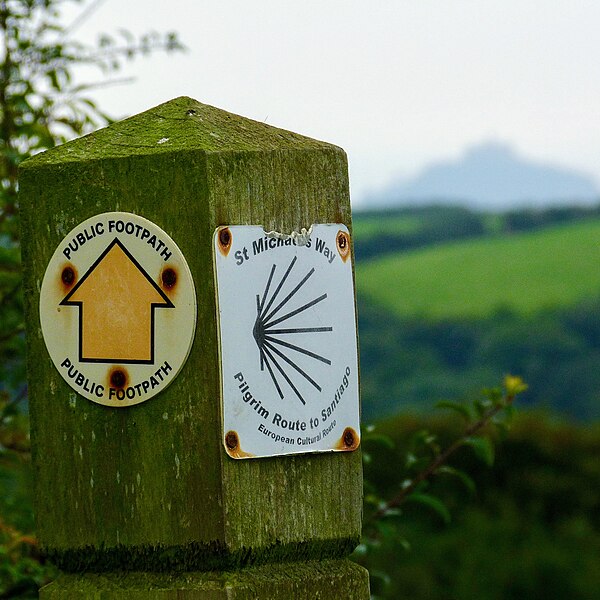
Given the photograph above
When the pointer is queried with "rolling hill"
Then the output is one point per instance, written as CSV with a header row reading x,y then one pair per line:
x,y
525,272
451,300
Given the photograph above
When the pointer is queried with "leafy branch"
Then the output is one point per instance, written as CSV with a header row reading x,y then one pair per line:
x,y
425,459
40,105
494,403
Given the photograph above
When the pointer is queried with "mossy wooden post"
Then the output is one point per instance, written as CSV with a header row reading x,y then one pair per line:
x,y
143,502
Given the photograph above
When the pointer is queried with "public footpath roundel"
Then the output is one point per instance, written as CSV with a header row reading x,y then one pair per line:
x,y
118,309
288,344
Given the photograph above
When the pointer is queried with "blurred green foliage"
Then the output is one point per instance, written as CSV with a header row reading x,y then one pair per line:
x,y
410,363
528,528
22,567
528,302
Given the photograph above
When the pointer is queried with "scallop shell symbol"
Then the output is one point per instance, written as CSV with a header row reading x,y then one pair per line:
x,y
272,332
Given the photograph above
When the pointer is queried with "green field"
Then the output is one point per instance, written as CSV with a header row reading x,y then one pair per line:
x,y
370,226
554,267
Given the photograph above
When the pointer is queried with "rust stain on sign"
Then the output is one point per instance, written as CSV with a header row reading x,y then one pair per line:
x,y
168,279
349,440
68,277
224,240
118,378
232,445
343,245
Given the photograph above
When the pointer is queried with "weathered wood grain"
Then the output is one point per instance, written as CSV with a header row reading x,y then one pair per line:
x,y
326,580
150,487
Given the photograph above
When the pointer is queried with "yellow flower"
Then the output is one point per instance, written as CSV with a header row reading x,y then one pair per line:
x,y
514,385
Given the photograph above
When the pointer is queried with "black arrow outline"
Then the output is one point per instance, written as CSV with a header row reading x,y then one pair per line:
x,y
67,302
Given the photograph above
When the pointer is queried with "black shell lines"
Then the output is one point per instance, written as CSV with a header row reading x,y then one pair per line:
x,y
272,333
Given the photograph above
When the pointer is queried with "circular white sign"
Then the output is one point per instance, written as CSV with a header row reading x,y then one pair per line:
x,y
118,309
288,341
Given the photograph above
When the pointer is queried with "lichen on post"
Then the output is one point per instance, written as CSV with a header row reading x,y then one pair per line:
x,y
149,488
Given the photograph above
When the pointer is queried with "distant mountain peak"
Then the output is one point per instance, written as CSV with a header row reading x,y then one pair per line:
x,y
492,175
490,150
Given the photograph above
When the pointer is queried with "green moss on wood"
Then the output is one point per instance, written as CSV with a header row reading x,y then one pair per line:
x,y
109,480
180,125
193,556
327,580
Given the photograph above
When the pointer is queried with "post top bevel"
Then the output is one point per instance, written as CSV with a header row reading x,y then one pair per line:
x,y
179,125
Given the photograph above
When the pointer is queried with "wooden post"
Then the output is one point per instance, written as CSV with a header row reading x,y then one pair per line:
x,y
143,501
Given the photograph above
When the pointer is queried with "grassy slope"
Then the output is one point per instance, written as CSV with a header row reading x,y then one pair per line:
x,y
367,227
556,266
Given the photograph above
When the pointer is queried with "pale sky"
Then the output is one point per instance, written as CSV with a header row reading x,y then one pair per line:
x,y
397,84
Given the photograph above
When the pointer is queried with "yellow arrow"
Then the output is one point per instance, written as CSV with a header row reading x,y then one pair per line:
x,y
116,300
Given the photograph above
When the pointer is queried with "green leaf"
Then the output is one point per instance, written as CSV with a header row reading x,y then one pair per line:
x,y
372,500
494,395
460,475
410,460
424,440
432,502
483,448
404,543
360,551
380,580
462,409
378,438
424,437
391,514
482,405
386,529
508,414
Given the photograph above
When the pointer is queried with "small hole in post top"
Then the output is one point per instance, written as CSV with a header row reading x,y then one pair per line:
x,y
191,112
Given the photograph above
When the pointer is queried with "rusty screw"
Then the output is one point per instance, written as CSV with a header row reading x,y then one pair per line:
x,y
343,245
169,277
224,240
118,378
68,276
224,237
231,440
348,437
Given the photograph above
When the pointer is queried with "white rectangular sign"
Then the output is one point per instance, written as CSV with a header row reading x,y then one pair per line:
x,y
288,343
